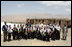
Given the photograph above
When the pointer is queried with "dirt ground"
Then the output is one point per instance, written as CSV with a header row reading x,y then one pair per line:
x,y
35,42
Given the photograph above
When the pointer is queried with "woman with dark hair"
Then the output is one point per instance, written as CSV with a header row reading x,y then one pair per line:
x,y
26,33
44,34
32,33
29,32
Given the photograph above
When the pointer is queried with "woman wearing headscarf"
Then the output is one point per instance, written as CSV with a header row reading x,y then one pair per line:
x,y
9,32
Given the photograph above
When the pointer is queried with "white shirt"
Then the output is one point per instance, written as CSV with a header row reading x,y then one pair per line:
x,y
9,30
58,27
41,30
51,26
34,28
41,25
18,29
23,27
47,25
48,30
44,25
26,29
44,30
65,28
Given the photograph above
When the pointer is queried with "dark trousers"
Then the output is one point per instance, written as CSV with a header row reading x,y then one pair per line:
x,y
64,37
44,38
26,37
21,35
35,34
32,35
29,35
15,34
40,36
48,37
53,36
9,36
5,35
57,35
18,36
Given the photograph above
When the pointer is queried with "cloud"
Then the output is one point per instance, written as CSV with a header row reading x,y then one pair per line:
x,y
41,8
56,7
20,5
56,3
4,4
68,10
66,5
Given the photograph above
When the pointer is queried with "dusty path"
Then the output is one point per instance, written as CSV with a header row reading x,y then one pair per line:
x,y
35,42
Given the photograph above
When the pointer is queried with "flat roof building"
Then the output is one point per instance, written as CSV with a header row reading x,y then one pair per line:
x,y
37,18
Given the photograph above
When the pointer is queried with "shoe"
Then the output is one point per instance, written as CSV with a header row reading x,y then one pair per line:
x,y
64,39
48,41
4,41
57,39
13,39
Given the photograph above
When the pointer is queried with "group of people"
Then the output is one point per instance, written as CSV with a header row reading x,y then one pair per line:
x,y
25,31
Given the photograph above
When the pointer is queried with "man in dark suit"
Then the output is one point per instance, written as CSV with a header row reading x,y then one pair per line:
x,y
4,29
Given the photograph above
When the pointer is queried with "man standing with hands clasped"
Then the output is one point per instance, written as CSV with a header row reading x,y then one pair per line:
x,y
4,28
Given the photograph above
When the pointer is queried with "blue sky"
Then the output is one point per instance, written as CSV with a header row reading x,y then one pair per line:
x,y
25,7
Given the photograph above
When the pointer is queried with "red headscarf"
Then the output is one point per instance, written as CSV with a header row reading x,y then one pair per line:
x,y
9,25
